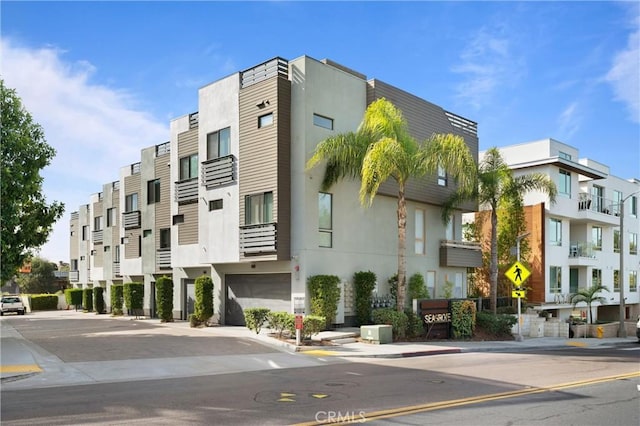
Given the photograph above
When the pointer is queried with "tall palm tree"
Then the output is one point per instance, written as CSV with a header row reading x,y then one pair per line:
x,y
382,148
497,187
589,295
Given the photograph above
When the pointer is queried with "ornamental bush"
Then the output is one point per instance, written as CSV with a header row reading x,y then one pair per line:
x,y
44,302
117,299
324,294
497,325
164,299
255,318
133,297
463,318
98,300
312,325
279,321
390,316
364,283
203,309
87,299
73,296
417,288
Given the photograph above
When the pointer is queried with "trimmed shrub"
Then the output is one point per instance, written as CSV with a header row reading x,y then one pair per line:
x,y
497,325
87,299
98,297
281,321
164,299
133,297
73,296
415,325
44,302
203,309
255,318
390,316
463,318
364,283
417,288
324,294
311,325
117,299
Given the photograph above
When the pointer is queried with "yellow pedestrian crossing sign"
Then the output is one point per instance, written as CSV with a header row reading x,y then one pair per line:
x,y
517,273
518,294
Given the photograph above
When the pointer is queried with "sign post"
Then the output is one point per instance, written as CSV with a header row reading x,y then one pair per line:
x,y
299,322
518,273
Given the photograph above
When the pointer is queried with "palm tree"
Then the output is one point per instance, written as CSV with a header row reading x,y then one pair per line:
x,y
382,148
497,187
589,295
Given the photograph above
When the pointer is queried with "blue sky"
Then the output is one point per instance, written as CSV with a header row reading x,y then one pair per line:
x,y
104,79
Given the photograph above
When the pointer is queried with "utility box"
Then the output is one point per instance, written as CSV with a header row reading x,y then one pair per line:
x,y
378,334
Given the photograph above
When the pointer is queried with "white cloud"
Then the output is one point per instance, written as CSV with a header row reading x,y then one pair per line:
x,y
569,121
94,128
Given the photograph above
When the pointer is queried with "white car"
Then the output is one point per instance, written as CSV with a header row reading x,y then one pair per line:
x,y
638,329
11,304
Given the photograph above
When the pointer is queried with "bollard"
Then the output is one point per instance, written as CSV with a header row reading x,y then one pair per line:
x,y
599,332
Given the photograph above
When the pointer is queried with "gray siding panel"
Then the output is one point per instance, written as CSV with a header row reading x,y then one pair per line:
x,y
188,231
163,208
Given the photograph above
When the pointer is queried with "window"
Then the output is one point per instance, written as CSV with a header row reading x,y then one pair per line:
x,y
596,237
449,232
564,183
258,208
324,122
74,265
165,238
218,143
431,284
555,232
146,233
107,249
189,167
325,220
555,279
97,223
633,281
617,202
597,195
179,218
215,204
633,243
564,155
616,240
111,217
616,280
153,191
442,176
131,202
116,254
419,235
265,120
85,232
634,206
596,276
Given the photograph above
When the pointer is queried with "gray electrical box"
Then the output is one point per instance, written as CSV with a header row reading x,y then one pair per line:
x,y
378,334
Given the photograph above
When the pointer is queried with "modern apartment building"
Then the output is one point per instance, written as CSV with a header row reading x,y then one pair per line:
x,y
230,196
576,242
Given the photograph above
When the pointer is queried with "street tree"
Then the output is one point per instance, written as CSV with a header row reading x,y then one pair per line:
x,y
498,189
40,280
26,219
589,295
381,149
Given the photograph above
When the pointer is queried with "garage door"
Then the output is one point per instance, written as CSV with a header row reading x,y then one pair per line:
x,y
244,291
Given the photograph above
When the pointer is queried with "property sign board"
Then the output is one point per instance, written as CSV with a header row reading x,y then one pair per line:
x,y
436,317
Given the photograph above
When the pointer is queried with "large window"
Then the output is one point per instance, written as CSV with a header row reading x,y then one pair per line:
x,y
419,235
555,279
131,202
633,243
564,183
97,223
616,240
555,232
596,276
325,220
111,217
218,143
325,122
189,167
153,191
258,208
596,237
165,238
633,281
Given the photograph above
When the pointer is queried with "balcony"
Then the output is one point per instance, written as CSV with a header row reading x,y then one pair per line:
x,y
163,258
460,254
97,237
219,171
74,276
258,239
598,209
187,191
116,269
131,220
582,253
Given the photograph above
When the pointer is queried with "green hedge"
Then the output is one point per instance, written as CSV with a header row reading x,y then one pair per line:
x,y
463,318
311,325
133,297
364,283
281,321
164,299
417,288
87,299
44,302
255,318
117,299
203,309
98,300
497,325
324,294
73,296
397,320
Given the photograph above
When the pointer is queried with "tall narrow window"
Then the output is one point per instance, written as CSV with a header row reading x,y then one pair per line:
x,y
555,279
131,202
431,284
633,243
258,208
165,238
189,167
596,276
616,280
555,232
153,191
596,237
85,232
634,206
419,234
597,195
97,223
633,281
442,176
617,202
564,183
616,240
218,143
449,232
325,220
111,217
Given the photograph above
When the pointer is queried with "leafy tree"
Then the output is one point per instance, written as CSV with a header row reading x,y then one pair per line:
x,y
381,149
588,296
498,188
25,219
40,280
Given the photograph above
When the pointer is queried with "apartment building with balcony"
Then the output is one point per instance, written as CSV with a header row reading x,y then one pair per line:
x,y
238,204
575,242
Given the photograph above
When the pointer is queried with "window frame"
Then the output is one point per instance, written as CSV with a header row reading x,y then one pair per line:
x,y
633,281
442,176
633,243
325,229
265,120
419,233
322,121
215,143
564,183
188,167
555,278
111,217
153,191
596,238
164,238
216,204
131,202
555,232
264,204
97,223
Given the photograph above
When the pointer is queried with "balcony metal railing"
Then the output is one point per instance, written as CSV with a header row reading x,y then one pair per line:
x,y
131,220
219,171
581,249
603,205
97,236
75,215
194,120
187,191
116,269
271,68
163,148
163,258
255,239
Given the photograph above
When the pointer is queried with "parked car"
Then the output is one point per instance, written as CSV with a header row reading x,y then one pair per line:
x,y
638,329
12,304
